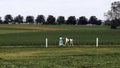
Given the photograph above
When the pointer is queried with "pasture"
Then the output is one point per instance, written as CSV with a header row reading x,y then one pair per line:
x,y
23,46
34,35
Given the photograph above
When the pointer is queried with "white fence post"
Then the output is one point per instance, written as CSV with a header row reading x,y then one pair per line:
x,y
46,42
97,42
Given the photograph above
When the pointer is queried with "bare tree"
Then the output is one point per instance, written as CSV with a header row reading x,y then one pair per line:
x,y
114,14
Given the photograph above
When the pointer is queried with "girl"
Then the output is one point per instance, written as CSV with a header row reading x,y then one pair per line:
x,y
60,41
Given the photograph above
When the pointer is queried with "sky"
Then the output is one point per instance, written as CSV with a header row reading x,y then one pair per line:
x,y
55,7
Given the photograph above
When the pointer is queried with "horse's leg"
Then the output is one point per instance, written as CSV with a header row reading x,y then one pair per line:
x,y
65,43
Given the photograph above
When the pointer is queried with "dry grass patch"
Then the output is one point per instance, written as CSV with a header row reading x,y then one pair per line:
x,y
32,27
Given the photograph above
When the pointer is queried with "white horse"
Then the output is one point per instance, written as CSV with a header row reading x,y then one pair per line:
x,y
71,42
68,41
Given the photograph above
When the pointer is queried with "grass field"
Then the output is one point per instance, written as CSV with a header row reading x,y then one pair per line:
x,y
23,46
35,35
84,57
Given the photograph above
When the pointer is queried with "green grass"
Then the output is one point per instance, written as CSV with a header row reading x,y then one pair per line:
x,y
24,48
84,57
82,35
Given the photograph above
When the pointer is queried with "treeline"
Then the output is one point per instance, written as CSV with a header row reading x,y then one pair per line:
x,y
40,19
113,15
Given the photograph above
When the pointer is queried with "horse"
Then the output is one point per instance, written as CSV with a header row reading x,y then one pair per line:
x,y
68,41
71,42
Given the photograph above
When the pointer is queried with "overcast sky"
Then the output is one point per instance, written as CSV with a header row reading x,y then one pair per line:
x,y
55,7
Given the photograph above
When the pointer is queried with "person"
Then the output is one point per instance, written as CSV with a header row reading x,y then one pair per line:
x,y
61,41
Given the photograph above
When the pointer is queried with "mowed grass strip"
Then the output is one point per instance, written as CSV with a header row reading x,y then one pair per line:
x,y
15,31
84,57
33,27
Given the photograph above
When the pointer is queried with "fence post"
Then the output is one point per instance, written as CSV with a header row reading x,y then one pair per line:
x,y
46,42
97,41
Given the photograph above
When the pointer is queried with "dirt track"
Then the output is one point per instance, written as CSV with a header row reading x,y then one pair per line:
x,y
32,27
